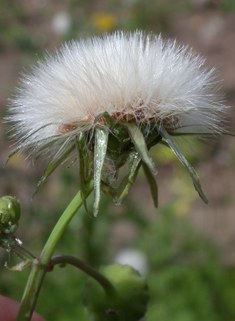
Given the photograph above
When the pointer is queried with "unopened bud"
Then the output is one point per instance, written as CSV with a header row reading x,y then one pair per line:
x,y
9,214
128,303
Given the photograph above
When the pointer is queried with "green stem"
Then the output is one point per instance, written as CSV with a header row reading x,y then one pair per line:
x,y
40,265
68,259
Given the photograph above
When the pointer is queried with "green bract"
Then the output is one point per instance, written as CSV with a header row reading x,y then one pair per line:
x,y
127,303
9,214
103,150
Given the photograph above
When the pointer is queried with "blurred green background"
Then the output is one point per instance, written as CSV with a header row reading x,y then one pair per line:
x,y
186,249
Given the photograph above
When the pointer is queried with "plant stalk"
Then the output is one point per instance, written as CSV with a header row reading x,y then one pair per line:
x,y
68,259
40,266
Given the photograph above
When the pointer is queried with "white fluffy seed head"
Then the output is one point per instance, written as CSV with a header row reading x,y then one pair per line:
x,y
128,75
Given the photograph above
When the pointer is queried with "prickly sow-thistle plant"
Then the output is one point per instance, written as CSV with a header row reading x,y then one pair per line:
x,y
111,99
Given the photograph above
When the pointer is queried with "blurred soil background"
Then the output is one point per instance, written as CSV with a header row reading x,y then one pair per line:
x,y
186,248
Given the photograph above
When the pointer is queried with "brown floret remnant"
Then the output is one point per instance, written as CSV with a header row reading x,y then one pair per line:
x,y
139,115
64,129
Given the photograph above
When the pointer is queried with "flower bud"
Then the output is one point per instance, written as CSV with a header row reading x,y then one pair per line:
x,y
127,303
9,214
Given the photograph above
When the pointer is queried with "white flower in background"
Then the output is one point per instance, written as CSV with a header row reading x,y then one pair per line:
x,y
139,80
134,258
61,23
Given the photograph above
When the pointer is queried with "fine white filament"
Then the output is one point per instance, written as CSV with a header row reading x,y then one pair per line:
x,y
142,76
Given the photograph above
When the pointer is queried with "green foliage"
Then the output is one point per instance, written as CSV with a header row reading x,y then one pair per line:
x,y
227,5
191,293
186,282
13,24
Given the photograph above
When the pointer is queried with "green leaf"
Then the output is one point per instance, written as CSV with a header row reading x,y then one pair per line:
x,y
81,151
101,142
88,167
51,167
129,179
184,162
164,143
37,130
41,149
109,119
62,149
21,147
140,145
108,190
152,184
15,151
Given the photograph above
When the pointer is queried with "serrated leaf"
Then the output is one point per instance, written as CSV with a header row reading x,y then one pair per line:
x,y
129,179
152,184
182,159
51,167
100,149
140,145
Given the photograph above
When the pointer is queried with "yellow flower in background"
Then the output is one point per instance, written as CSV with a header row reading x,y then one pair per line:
x,y
104,21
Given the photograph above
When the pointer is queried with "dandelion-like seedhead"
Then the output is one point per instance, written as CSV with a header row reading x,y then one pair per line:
x,y
115,97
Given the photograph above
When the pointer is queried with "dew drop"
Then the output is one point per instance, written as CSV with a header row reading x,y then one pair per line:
x,y
18,241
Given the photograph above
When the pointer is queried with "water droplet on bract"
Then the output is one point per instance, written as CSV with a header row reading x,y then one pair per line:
x,y
18,241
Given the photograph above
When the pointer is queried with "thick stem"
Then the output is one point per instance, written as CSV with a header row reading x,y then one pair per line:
x,y
68,259
40,266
